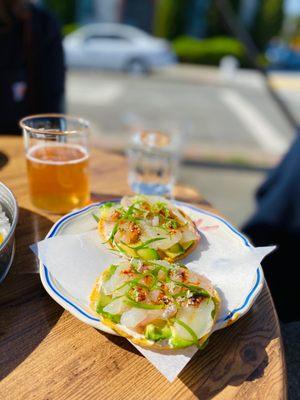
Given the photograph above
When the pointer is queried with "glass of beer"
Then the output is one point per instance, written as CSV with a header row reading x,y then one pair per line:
x,y
57,158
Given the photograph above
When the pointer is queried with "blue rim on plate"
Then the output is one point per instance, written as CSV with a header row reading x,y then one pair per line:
x,y
84,316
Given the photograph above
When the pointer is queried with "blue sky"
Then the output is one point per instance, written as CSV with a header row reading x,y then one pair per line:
x,y
292,7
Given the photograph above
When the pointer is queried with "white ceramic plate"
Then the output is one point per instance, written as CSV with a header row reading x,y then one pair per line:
x,y
82,221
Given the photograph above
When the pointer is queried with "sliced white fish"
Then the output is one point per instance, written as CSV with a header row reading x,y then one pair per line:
x,y
116,306
155,221
135,316
188,235
115,281
197,318
177,214
151,232
202,281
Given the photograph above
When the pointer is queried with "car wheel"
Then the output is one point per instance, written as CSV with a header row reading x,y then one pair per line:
x,y
137,67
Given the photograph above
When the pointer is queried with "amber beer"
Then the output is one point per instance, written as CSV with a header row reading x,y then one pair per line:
x,y
58,176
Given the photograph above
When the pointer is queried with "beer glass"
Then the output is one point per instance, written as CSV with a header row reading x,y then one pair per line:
x,y
57,158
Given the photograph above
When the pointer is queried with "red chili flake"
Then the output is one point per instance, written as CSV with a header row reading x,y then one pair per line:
x,y
127,272
195,300
115,215
140,294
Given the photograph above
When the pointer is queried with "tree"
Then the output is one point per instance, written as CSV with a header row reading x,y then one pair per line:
x,y
215,22
169,18
63,9
268,22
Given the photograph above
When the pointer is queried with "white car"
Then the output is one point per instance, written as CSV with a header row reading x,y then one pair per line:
x,y
118,47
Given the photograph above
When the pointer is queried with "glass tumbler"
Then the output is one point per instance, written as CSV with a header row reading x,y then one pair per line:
x,y
153,159
57,156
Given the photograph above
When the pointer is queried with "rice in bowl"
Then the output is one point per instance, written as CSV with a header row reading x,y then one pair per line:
x,y
4,225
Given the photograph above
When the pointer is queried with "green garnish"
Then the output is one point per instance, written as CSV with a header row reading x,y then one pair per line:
x,y
108,204
113,317
103,301
145,306
109,273
113,232
129,212
95,217
180,294
160,206
213,313
194,289
144,244
171,224
188,329
156,333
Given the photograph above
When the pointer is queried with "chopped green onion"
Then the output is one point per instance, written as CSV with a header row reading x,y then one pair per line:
x,y
180,294
171,223
113,232
188,329
129,211
109,273
108,204
112,235
145,306
193,288
95,217
145,244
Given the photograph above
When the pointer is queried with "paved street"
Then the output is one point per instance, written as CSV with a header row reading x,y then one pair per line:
x,y
235,121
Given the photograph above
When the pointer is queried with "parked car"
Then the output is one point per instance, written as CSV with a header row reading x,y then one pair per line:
x,y
282,57
116,47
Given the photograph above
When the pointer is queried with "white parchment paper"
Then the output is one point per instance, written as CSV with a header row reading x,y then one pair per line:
x,y
76,260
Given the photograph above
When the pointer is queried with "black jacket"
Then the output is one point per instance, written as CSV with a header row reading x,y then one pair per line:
x,y
277,221
32,70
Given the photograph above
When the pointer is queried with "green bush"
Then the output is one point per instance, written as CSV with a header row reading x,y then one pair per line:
x,y
69,28
63,9
208,51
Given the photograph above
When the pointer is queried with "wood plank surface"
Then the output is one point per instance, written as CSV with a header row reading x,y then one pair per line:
x,y
46,353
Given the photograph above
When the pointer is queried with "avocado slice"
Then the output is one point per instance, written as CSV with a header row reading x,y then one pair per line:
x,y
128,250
188,244
148,254
155,333
103,300
178,343
174,251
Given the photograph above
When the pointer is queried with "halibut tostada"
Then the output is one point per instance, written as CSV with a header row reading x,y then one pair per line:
x,y
156,304
147,227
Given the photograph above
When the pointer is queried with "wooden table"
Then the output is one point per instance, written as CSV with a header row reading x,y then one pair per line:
x,y
46,353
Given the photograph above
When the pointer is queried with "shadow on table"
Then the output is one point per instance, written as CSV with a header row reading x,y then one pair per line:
x,y
3,159
121,342
243,358
27,313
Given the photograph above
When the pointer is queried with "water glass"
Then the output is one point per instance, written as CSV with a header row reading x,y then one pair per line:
x,y
153,158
